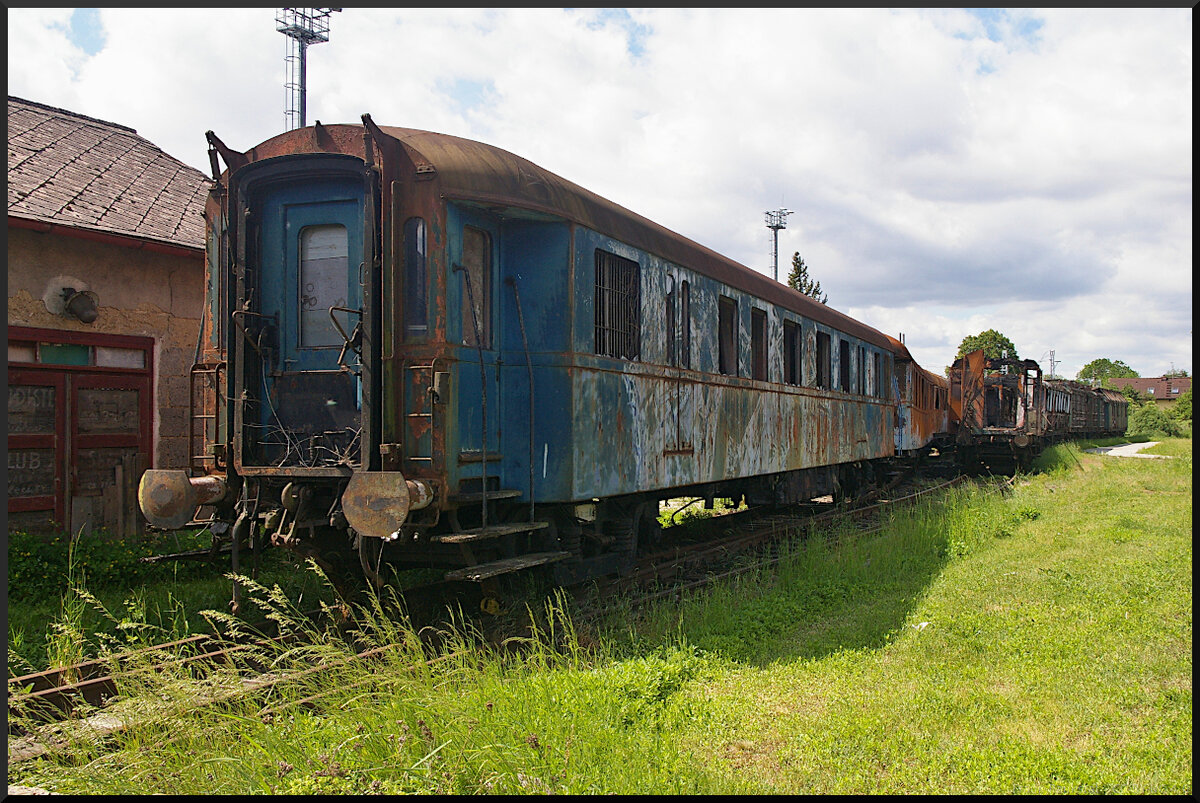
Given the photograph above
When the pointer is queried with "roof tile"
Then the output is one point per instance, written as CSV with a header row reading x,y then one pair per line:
x,y
68,168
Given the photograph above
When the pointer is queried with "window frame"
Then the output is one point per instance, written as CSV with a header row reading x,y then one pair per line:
x,y
824,378
482,293
758,345
793,352
727,336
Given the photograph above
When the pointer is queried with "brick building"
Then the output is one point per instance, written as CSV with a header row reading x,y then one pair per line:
x,y
105,291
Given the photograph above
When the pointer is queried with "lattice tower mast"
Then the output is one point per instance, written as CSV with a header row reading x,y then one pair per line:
x,y
302,27
775,221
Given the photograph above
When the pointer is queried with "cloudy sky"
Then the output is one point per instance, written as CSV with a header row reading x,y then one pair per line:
x,y
947,171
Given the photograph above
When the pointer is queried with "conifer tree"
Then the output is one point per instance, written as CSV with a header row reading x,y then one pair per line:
x,y
798,279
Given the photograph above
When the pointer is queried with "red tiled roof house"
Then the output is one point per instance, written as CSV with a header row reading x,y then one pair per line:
x,y
1164,390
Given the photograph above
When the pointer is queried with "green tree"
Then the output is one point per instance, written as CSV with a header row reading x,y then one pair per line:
x,y
798,279
994,344
1135,397
1176,372
1102,369
1182,409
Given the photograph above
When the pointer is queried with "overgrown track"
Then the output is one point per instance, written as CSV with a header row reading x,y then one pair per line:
x,y
58,694
760,532
62,725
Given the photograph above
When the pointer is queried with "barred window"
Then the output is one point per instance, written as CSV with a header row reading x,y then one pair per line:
x,y
618,306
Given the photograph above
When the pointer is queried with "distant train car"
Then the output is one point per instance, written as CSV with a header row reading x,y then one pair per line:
x,y
1081,411
428,350
1007,414
1000,412
923,415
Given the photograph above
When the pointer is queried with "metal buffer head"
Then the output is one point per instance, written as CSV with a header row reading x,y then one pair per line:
x,y
377,503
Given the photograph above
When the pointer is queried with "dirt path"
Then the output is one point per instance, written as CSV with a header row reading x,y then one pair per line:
x,y
1128,450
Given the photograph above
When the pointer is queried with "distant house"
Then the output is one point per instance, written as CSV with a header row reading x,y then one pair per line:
x,y
1164,390
105,290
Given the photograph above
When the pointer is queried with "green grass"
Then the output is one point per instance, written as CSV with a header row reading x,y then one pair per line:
x,y
1033,642
1174,447
91,619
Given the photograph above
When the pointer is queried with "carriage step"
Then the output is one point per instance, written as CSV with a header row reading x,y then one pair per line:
x,y
478,496
485,570
483,533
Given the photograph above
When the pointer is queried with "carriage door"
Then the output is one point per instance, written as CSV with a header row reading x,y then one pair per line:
x,y
474,273
312,285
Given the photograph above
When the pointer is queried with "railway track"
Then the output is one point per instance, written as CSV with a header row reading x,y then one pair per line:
x,y
40,703
51,718
682,570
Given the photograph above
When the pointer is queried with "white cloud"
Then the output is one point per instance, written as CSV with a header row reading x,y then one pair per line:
x,y
950,171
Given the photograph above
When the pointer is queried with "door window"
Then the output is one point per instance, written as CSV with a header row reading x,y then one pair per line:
x,y
323,266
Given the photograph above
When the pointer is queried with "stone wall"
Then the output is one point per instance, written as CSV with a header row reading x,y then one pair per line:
x,y
141,292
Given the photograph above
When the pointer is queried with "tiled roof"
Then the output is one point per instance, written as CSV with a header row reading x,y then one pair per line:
x,y
77,171
1160,387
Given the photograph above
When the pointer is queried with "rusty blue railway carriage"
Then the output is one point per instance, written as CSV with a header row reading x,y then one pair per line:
x,y
426,350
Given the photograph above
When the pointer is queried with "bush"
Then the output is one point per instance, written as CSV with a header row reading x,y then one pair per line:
x,y
1182,410
38,564
1146,419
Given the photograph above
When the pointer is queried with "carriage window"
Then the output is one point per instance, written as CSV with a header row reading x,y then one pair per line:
x,y
877,385
791,353
415,307
727,345
758,343
477,262
685,322
323,254
843,365
672,297
862,371
618,306
824,374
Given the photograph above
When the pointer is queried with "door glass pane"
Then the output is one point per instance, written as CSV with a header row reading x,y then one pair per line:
x,y
414,275
96,469
477,259
31,409
22,352
107,411
323,282
120,358
30,473
65,354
